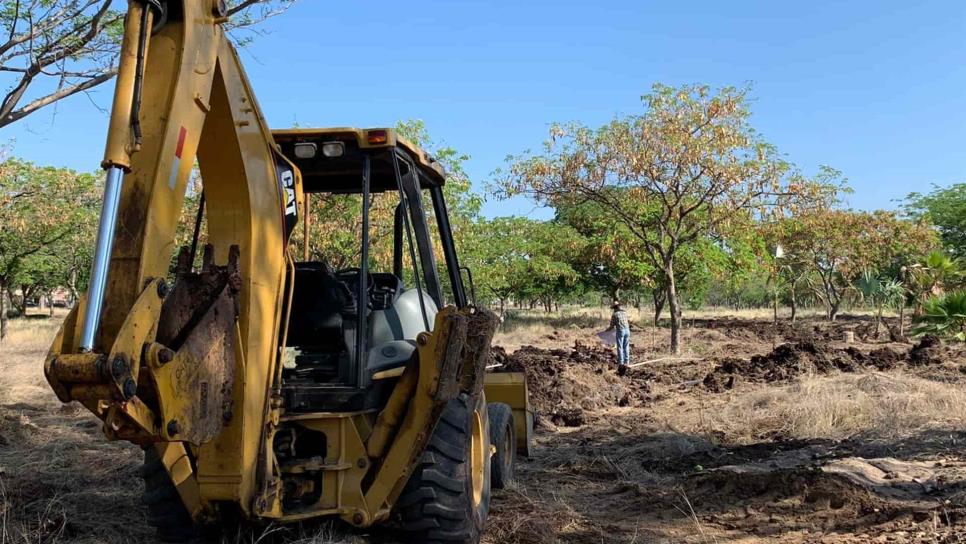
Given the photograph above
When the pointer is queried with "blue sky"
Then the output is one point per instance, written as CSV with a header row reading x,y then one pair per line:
x,y
876,89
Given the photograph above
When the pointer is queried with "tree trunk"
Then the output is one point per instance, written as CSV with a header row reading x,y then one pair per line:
x,y
675,309
902,319
50,303
3,313
22,306
833,310
72,287
659,296
878,321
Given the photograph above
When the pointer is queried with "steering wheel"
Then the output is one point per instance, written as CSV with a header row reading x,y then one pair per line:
x,y
351,276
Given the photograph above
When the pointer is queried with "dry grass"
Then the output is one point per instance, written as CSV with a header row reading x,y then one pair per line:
x,y
518,518
835,407
325,532
22,355
60,479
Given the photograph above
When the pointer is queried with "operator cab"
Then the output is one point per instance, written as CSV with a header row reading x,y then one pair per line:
x,y
369,262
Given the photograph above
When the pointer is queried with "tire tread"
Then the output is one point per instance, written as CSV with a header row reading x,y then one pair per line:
x,y
501,429
433,506
166,513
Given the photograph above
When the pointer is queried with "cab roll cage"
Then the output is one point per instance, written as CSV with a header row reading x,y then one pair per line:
x,y
410,221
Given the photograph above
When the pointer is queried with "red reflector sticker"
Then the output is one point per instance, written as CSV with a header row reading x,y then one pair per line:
x,y
176,164
181,136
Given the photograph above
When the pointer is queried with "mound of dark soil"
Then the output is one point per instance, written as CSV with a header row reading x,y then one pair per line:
x,y
566,384
782,364
883,358
929,351
787,361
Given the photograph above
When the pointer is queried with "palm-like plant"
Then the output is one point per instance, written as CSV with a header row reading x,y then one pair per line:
x,y
943,316
879,292
937,273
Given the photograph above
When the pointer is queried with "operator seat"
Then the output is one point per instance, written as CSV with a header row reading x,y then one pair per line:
x,y
320,305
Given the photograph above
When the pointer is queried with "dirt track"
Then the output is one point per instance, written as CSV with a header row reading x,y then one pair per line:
x,y
760,434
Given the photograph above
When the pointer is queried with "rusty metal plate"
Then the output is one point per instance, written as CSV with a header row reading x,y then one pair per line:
x,y
195,387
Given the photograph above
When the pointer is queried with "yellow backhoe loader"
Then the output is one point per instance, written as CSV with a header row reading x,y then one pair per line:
x,y
259,386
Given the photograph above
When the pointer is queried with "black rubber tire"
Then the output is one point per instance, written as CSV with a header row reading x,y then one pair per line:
x,y
503,436
166,513
437,505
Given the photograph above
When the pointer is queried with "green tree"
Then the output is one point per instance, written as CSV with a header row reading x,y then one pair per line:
x,y
933,275
944,316
611,260
551,248
39,206
879,292
38,276
840,245
682,170
516,258
496,256
789,272
944,207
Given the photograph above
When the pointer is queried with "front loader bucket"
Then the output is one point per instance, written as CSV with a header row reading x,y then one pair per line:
x,y
511,388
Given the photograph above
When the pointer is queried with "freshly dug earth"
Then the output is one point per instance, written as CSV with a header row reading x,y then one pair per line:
x,y
566,384
788,361
808,330
667,471
629,479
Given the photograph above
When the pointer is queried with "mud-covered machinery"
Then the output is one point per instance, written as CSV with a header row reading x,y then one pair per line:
x,y
259,386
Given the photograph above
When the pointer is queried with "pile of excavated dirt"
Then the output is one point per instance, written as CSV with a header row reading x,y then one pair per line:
x,y
782,364
803,330
566,384
931,350
787,361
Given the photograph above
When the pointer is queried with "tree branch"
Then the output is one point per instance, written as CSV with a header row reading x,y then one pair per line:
x,y
244,5
12,116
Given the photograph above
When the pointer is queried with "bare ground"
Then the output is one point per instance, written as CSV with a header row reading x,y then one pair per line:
x,y
811,441
827,444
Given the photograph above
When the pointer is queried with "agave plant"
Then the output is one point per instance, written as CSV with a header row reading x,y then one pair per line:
x,y
943,316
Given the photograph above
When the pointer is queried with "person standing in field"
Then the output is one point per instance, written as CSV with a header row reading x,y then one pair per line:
x,y
620,323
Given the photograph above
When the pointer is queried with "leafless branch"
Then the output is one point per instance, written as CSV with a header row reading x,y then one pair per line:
x,y
73,46
55,96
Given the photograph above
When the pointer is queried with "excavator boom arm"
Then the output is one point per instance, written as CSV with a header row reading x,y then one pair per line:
x,y
182,98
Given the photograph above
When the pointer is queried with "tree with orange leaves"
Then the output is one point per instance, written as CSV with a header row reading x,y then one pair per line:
x,y
690,166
